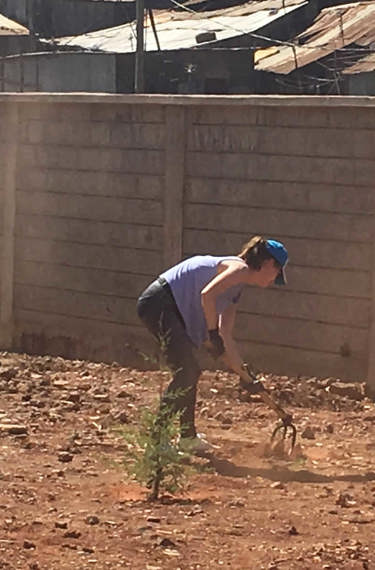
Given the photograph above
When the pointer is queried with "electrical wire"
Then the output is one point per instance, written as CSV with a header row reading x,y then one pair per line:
x,y
261,37
341,57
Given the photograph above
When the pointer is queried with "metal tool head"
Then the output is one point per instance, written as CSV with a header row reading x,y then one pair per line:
x,y
288,430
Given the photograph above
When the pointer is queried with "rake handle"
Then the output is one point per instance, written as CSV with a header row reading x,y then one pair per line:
x,y
249,376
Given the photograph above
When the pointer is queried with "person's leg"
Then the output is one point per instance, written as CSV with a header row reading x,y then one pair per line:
x,y
180,395
157,309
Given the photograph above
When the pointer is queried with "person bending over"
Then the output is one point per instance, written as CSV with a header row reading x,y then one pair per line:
x,y
194,303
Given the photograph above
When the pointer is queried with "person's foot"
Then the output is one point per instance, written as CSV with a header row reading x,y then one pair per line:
x,y
199,445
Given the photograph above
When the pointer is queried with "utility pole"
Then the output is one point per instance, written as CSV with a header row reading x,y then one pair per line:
x,y
139,86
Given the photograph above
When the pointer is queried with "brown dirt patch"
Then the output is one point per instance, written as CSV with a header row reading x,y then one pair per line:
x,y
65,502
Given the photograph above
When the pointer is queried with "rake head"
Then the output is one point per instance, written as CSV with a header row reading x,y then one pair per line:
x,y
286,430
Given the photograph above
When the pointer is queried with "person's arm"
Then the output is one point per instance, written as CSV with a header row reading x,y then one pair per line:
x,y
232,274
231,357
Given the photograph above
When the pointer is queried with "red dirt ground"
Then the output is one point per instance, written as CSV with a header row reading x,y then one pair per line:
x,y
250,511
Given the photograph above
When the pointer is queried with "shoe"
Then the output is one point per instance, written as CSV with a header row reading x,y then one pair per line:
x,y
198,445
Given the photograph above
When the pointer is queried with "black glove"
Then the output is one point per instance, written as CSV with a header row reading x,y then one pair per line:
x,y
253,388
217,347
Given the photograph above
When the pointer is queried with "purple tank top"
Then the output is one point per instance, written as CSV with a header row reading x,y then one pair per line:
x,y
186,280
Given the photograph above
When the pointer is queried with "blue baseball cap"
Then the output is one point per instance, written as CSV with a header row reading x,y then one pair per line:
x,y
280,254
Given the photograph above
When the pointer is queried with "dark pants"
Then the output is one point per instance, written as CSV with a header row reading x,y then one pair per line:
x,y
157,309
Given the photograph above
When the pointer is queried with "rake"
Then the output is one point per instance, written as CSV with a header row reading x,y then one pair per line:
x,y
285,428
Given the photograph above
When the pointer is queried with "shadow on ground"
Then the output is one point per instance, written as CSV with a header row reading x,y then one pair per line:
x,y
277,473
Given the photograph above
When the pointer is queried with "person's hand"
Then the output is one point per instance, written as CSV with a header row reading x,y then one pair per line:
x,y
215,345
255,387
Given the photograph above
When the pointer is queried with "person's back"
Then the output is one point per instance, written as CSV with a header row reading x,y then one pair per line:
x,y
187,280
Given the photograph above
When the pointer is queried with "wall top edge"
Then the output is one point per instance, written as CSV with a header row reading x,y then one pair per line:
x,y
192,100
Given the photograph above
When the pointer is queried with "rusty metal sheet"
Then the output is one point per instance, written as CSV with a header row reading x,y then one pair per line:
x,y
335,28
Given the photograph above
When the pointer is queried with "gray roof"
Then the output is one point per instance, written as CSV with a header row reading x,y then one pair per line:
x,y
178,30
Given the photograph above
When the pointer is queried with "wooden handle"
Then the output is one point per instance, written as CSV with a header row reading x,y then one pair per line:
x,y
249,377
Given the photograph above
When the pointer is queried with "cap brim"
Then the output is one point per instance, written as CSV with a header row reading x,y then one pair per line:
x,y
281,278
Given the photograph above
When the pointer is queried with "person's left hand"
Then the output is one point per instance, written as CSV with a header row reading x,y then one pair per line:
x,y
215,345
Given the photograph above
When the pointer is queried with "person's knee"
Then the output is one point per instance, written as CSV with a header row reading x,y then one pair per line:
x,y
191,372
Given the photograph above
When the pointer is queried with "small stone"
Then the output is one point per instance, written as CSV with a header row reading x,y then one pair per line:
x,y
61,383
277,485
227,420
236,503
122,418
123,394
8,373
74,396
102,397
61,524
347,390
28,544
92,519
166,543
72,534
345,500
308,433
13,429
293,531
153,519
65,457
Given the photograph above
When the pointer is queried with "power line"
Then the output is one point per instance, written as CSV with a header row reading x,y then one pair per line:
x,y
265,38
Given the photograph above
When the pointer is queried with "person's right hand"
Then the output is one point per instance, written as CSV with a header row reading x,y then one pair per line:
x,y
254,387
215,345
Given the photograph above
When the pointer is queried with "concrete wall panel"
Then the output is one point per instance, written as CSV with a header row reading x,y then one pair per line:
x,y
286,168
323,142
91,182
111,190
119,210
86,231
319,225
280,194
80,279
92,256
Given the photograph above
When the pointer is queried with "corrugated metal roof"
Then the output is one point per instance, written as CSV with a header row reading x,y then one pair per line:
x,y
11,28
334,28
179,29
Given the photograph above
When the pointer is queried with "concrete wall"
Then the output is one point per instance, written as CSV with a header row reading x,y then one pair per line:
x,y
59,73
112,189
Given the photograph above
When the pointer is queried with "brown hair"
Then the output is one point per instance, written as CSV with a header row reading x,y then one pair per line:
x,y
255,252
